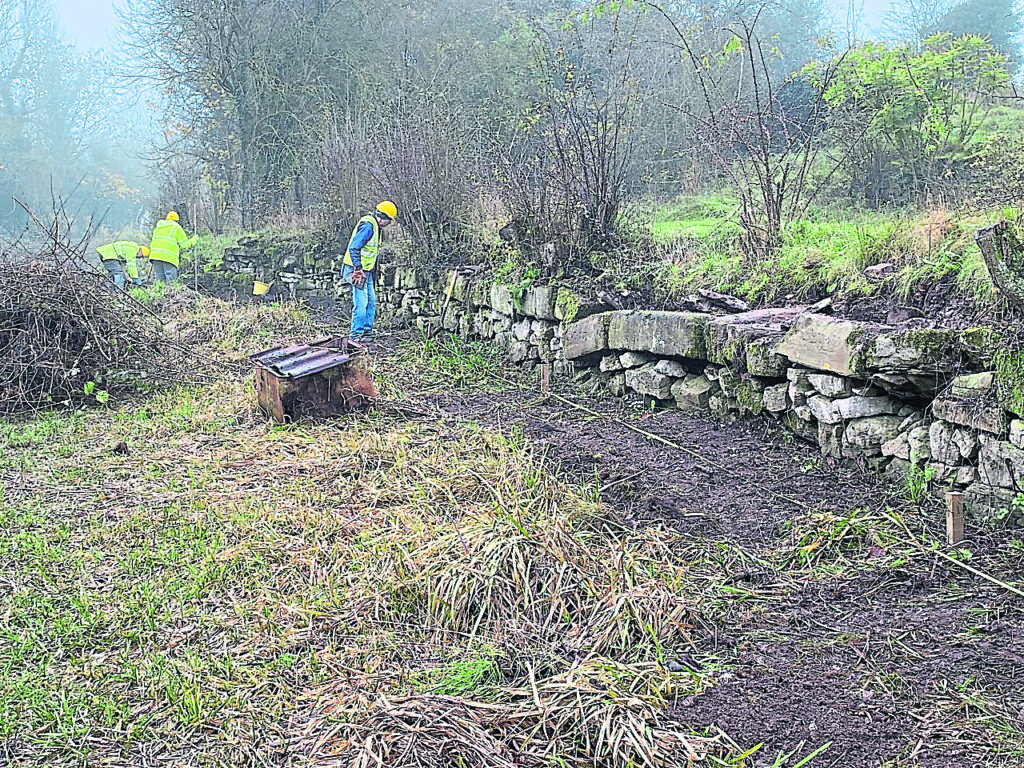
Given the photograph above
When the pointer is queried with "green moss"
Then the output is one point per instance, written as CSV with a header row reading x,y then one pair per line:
x,y
567,305
750,397
980,346
1009,364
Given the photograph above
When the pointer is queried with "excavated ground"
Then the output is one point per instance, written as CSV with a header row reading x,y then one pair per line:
x,y
895,658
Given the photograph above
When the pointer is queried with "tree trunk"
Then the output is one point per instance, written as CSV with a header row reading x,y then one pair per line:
x,y
1004,257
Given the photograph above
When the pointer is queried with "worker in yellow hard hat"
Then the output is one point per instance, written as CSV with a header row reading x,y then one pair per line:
x,y
165,246
359,266
122,258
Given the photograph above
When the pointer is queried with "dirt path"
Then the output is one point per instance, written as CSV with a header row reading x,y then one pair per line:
x,y
894,660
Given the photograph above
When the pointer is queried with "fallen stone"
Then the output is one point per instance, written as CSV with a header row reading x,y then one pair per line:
x,y
861,407
866,436
647,381
898,471
633,359
774,397
610,363
830,386
879,271
693,393
671,368
824,409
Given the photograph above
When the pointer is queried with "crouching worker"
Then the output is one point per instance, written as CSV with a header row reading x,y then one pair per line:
x,y
122,258
165,246
359,266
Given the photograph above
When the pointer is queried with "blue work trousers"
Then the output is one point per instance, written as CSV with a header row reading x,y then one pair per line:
x,y
164,271
364,303
116,270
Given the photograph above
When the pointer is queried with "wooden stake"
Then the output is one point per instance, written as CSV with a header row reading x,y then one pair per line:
x,y
954,518
545,378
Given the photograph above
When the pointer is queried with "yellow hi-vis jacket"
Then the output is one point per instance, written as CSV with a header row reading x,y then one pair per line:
x,y
124,251
168,239
368,253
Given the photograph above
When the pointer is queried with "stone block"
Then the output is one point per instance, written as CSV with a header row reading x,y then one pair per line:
x,y
940,440
711,371
774,398
827,344
1017,433
521,330
749,395
824,409
917,350
617,384
501,299
865,437
520,352
898,447
728,338
966,441
972,386
647,381
858,407
898,471
693,393
830,439
671,368
539,301
992,505
762,360
919,443
729,381
633,359
1001,464
805,430
722,407
980,415
668,334
830,386
587,338
610,363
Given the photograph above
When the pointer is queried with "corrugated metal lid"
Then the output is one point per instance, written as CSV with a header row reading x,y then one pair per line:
x,y
300,360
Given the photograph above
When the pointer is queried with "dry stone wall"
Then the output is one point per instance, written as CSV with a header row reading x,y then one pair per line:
x,y
923,403
941,406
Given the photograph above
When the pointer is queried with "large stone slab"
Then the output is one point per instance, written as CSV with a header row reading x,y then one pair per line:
x,y
539,301
587,338
827,344
669,334
731,339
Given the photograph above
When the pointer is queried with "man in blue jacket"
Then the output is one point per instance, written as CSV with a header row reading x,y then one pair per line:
x,y
359,265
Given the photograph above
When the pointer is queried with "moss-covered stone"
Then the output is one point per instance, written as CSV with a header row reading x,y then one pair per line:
x,y
980,346
1009,364
750,396
567,304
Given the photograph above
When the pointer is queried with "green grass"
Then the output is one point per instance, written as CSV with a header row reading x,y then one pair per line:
x,y
697,245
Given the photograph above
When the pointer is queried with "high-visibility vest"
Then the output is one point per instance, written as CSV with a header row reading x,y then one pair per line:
x,y
368,254
124,251
168,239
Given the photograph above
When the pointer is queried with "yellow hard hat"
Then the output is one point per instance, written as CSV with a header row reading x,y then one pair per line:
x,y
145,250
388,209
172,216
